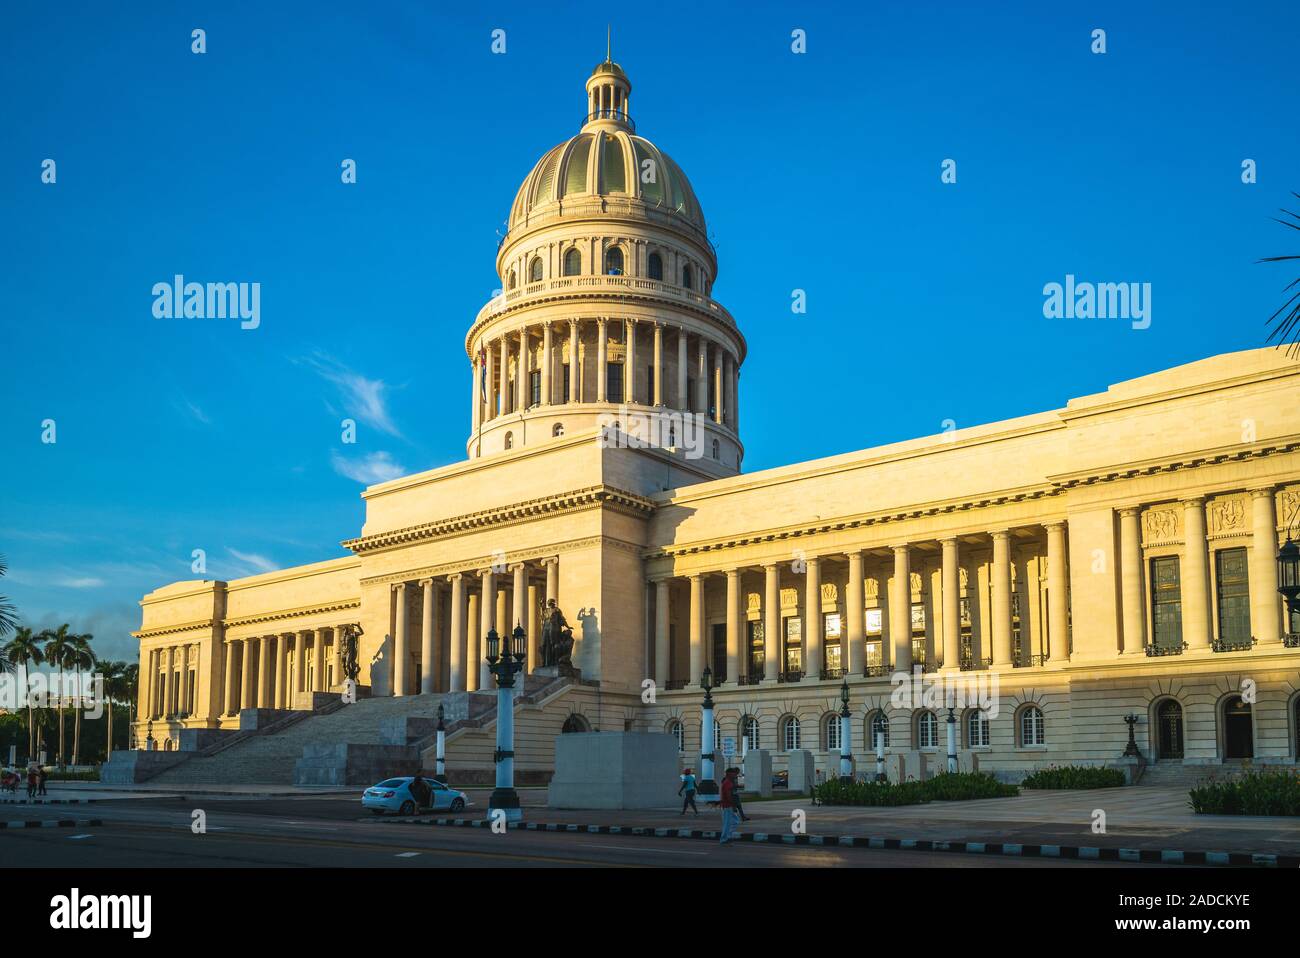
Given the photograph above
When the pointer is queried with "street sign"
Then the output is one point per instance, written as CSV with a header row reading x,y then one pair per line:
x,y
729,747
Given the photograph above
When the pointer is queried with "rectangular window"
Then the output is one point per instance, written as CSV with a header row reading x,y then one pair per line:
x,y
1166,603
831,626
614,382
650,383
918,633
535,387
691,395
793,644
757,655
1233,588
720,652
875,654
713,397
566,382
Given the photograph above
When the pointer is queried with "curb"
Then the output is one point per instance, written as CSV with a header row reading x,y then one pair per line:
x,y
53,823
47,801
1157,856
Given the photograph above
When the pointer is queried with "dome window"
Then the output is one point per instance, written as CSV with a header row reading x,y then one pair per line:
x,y
614,261
557,430
656,266
510,441
572,262
686,277
535,270
510,280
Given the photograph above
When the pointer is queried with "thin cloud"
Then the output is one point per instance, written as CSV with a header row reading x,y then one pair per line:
x,y
84,582
259,563
370,469
362,398
194,411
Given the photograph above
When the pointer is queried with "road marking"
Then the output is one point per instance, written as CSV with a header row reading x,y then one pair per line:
x,y
406,854
75,837
635,848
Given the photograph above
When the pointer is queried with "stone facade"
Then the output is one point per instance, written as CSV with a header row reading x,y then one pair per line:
x,y
1112,556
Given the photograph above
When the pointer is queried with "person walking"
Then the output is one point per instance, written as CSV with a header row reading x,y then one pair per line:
x,y
41,776
730,816
688,790
31,782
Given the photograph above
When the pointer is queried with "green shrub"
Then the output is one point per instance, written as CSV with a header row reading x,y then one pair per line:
x,y
959,786
1255,792
1075,776
965,786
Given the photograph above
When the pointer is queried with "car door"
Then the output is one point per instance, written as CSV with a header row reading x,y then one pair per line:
x,y
441,795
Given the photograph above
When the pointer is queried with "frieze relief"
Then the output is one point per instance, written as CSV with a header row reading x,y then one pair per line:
x,y
1288,502
1229,516
1161,525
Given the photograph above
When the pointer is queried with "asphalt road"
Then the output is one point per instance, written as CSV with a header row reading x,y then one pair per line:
x,y
325,832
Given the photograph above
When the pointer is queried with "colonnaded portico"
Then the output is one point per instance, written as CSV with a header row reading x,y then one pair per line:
x,y
1115,555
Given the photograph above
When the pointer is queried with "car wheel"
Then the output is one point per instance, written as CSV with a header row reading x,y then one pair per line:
x,y
408,808
457,804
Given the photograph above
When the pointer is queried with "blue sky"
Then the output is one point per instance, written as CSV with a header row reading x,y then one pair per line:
x,y
818,172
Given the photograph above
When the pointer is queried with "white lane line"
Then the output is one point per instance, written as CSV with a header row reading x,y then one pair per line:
x,y
635,848
75,837
406,854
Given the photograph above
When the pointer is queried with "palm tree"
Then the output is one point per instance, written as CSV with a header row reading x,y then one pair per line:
x,y
1286,321
81,659
25,647
8,616
115,690
58,644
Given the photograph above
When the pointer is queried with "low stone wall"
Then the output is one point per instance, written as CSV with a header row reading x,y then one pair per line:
x,y
127,767
352,764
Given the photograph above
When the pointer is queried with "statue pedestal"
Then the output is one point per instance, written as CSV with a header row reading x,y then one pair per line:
x,y
555,671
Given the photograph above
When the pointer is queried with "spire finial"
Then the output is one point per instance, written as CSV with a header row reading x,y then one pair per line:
x,y
608,45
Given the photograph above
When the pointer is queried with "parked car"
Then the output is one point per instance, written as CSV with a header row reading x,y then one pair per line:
x,y
781,780
394,795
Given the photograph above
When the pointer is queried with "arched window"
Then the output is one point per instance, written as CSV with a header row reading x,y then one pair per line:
x,y
614,261
1169,729
1032,729
572,262
879,726
575,723
656,265
510,440
977,729
749,732
557,429
676,731
832,736
686,276
790,733
510,280
535,270
927,730
715,449
1238,729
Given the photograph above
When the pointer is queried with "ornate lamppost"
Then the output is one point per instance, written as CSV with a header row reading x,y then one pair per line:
x,y
1288,584
504,663
1132,748
846,735
880,755
440,768
952,740
708,785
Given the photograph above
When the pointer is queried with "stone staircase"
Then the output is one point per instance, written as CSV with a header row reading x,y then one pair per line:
x,y
1173,773
269,757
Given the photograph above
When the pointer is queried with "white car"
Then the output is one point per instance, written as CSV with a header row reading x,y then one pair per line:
x,y
394,795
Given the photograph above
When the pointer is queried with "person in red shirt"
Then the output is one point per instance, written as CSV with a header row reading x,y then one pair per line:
x,y
730,805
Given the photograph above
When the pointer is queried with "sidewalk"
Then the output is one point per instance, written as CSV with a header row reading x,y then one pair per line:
x,y
98,792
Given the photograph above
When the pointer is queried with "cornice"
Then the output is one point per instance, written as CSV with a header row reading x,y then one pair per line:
x,y
475,566
1150,467
277,614
578,500
193,626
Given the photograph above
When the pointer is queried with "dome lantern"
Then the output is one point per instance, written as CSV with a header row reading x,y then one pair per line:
x,y
608,93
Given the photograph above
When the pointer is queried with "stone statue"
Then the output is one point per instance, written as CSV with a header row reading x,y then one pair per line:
x,y
557,638
349,635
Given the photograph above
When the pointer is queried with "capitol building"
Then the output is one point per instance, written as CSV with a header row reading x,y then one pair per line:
x,y
1114,556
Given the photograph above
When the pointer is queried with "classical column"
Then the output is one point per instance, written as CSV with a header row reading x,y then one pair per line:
x,y
682,378
735,394
1265,608
534,627
1195,576
299,665
658,398
720,405
771,622
702,378
552,578
951,587
519,592
264,677
602,358
812,617
1058,585
472,613
145,692
574,378
1002,597
319,684
856,659
428,623
476,409
230,678
661,634
504,398
457,633
246,679
487,620
629,371
169,707
733,625
900,610
336,655
489,388
282,696
547,362
697,629
401,652
522,394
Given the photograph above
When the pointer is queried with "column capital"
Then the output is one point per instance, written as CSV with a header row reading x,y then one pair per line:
x,y
399,586
1263,492
1000,534
455,577
900,547
733,573
944,540
550,560
425,583
1193,500
1129,511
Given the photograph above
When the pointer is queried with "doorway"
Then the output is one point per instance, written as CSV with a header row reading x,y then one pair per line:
x,y
1238,729
1169,730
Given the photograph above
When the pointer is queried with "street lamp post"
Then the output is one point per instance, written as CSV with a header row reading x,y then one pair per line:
x,y
1288,583
846,733
440,769
1132,748
952,741
708,784
880,755
504,663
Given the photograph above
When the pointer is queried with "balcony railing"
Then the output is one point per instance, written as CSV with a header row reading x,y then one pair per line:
x,y
1241,645
608,285
1291,640
875,671
795,676
970,664
620,115
674,684
1032,662
1159,650
827,674
750,679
